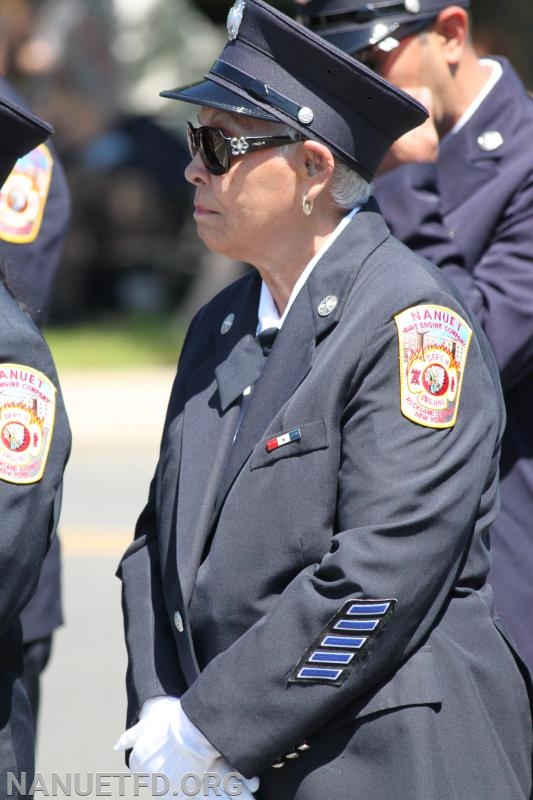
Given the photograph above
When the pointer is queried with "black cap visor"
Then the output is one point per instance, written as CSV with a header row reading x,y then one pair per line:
x,y
354,38
210,94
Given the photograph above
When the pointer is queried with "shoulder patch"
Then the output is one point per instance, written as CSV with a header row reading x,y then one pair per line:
x,y
23,197
433,346
27,413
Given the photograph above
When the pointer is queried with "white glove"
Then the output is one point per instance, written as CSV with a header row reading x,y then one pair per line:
x,y
165,741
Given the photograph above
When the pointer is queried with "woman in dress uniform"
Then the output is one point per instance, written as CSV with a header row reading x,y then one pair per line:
x,y
305,598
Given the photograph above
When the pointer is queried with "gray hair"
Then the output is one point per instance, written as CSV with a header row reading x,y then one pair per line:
x,y
348,189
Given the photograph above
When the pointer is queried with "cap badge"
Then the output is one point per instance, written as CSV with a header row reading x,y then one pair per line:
x,y
235,19
327,305
412,6
227,324
305,115
381,36
490,140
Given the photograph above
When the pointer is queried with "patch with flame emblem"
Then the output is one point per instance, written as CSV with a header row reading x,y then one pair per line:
x,y
433,343
23,197
27,414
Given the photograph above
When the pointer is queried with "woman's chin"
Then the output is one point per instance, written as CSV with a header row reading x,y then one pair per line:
x,y
214,241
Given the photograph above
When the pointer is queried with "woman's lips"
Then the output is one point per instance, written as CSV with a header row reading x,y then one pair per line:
x,y
202,211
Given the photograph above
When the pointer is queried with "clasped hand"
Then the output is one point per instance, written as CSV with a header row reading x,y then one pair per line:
x,y
165,741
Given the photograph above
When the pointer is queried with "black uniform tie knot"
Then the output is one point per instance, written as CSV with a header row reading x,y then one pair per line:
x,y
266,339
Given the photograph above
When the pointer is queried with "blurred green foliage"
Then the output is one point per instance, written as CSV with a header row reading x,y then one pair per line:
x,y
123,342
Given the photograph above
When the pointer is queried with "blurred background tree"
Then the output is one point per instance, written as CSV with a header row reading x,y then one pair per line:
x,y
95,68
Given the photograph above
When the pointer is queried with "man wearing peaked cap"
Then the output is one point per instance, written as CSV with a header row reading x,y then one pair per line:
x,y
459,191
34,448
305,604
353,25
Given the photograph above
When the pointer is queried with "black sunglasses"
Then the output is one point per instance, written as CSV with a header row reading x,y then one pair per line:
x,y
216,149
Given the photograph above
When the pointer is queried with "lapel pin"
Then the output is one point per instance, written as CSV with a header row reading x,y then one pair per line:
x,y
490,140
285,438
227,324
327,305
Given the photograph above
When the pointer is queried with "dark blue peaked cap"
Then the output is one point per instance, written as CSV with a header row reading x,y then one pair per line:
x,y
275,69
353,25
20,132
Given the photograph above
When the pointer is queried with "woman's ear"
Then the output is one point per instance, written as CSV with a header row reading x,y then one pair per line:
x,y
317,168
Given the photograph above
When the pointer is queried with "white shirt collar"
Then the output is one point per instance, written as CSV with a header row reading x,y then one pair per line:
x,y
497,71
267,313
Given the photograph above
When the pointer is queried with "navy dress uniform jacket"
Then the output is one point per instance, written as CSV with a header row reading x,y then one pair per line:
x,y
246,558
472,214
29,515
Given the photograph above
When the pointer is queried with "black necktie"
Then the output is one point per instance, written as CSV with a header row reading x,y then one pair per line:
x,y
266,339
243,366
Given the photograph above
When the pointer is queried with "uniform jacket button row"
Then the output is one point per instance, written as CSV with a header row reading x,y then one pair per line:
x,y
281,761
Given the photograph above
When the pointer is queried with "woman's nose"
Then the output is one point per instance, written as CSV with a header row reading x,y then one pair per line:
x,y
195,171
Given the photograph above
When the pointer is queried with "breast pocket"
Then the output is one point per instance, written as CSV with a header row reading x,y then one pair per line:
x,y
289,443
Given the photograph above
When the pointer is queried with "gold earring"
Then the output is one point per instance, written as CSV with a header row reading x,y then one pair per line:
x,y
307,206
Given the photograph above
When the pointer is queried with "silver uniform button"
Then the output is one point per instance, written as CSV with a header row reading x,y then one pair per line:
x,y
178,622
227,324
327,305
306,115
490,140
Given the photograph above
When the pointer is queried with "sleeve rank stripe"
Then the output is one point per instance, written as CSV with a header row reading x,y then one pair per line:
x,y
356,625
320,673
338,647
352,642
368,609
329,657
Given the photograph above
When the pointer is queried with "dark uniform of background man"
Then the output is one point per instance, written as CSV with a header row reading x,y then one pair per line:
x,y
459,191
33,224
34,448
308,575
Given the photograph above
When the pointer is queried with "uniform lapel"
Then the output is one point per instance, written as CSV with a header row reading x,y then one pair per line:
x,y
292,355
207,435
463,154
289,361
